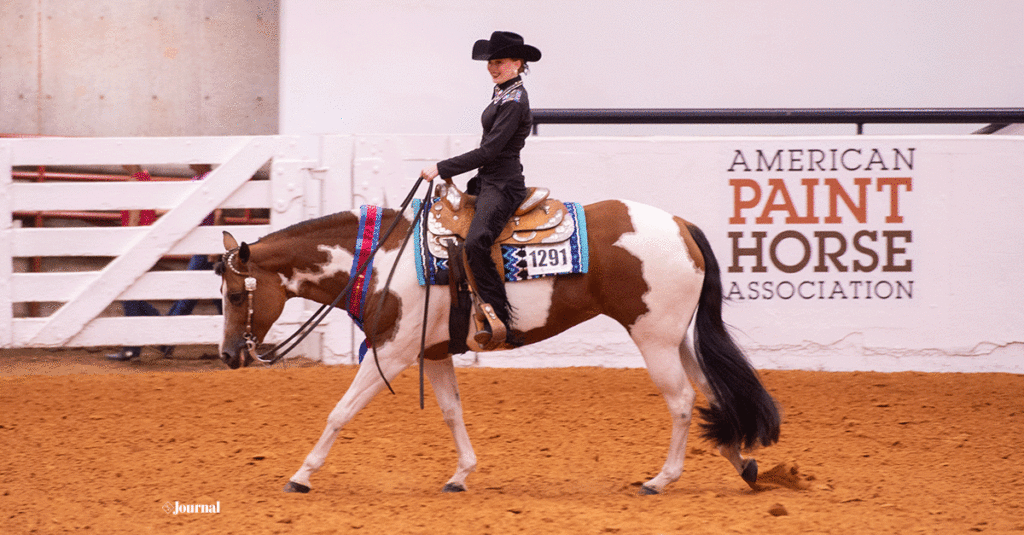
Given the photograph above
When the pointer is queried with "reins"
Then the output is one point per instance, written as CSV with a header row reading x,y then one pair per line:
x,y
387,284
317,317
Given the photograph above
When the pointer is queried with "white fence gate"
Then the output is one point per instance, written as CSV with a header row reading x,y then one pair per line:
x,y
297,189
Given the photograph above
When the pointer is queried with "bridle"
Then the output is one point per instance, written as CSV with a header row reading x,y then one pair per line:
x,y
250,288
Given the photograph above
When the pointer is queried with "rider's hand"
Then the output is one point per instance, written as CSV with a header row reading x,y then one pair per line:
x,y
430,172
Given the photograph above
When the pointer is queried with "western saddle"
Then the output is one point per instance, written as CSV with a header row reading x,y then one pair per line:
x,y
538,220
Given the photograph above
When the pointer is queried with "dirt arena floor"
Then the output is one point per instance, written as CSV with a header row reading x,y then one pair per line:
x,y
88,446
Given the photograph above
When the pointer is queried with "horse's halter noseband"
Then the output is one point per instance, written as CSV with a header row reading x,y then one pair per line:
x,y
250,288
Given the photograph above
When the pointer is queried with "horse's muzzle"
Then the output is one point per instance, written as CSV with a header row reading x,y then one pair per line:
x,y
233,362
236,356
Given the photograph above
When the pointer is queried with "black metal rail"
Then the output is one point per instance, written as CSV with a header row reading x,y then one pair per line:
x,y
858,116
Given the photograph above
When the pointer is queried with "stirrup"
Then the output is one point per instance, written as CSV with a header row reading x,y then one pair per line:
x,y
491,331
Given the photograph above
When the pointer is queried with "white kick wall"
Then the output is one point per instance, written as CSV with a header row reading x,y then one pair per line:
x,y
837,253
885,253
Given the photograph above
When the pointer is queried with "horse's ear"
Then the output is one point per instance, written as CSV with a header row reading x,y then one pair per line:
x,y
229,241
243,252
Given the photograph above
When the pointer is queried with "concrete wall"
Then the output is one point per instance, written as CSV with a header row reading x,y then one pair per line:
x,y
139,68
364,66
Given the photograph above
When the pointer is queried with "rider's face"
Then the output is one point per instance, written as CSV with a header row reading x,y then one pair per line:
x,y
504,69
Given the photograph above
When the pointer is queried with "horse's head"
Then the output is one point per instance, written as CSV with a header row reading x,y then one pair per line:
x,y
253,300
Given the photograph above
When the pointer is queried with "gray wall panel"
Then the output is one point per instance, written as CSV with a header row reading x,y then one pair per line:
x,y
156,67
19,66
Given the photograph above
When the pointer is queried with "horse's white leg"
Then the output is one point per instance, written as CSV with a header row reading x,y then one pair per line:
x,y
661,337
672,280
666,370
364,387
446,389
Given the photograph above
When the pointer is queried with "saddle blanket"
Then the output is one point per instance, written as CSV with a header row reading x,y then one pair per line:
x,y
521,262
367,241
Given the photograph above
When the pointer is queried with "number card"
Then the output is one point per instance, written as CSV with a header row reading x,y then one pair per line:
x,y
548,259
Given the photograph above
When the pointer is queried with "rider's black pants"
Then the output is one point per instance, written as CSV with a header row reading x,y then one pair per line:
x,y
494,207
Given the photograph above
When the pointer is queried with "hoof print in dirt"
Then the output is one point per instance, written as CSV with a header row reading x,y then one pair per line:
x,y
786,475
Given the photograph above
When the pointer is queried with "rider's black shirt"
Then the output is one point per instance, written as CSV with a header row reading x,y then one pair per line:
x,y
507,122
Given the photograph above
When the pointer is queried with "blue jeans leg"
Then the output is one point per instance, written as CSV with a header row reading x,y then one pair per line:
x,y
137,308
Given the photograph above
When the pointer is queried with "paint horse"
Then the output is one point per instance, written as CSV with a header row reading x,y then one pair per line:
x,y
650,271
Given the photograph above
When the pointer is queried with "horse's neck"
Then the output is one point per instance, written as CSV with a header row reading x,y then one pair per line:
x,y
308,256
315,258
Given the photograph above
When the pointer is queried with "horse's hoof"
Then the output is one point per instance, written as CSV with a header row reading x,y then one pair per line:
x,y
453,487
647,491
296,487
750,472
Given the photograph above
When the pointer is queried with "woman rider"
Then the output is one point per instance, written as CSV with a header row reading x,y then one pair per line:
x,y
499,184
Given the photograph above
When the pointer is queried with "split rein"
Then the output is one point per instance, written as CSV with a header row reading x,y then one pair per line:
x,y
251,342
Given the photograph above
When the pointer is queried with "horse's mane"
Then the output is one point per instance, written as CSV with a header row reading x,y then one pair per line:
x,y
328,223
333,225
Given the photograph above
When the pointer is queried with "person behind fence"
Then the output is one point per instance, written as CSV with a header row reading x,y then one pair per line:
x,y
499,184
181,307
199,262
136,218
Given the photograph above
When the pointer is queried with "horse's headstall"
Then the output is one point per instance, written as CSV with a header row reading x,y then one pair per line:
x,y
228,260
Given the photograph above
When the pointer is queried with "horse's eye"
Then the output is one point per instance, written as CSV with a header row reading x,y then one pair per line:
x,y
236,298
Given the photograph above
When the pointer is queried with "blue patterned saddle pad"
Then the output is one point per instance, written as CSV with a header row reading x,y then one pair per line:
x,y
521,262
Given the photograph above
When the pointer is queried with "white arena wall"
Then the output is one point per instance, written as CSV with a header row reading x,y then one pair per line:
x,y
913,244
884,253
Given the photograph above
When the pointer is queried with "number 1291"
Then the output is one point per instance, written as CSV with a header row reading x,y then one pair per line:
x,y
548,258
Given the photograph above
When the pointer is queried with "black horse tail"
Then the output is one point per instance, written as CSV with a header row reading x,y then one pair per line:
x,y
743,413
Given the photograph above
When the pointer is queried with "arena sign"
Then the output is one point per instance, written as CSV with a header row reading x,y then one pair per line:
x,y
820,222
837,253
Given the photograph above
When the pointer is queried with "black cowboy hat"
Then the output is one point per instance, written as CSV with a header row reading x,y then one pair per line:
x,y
505,45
